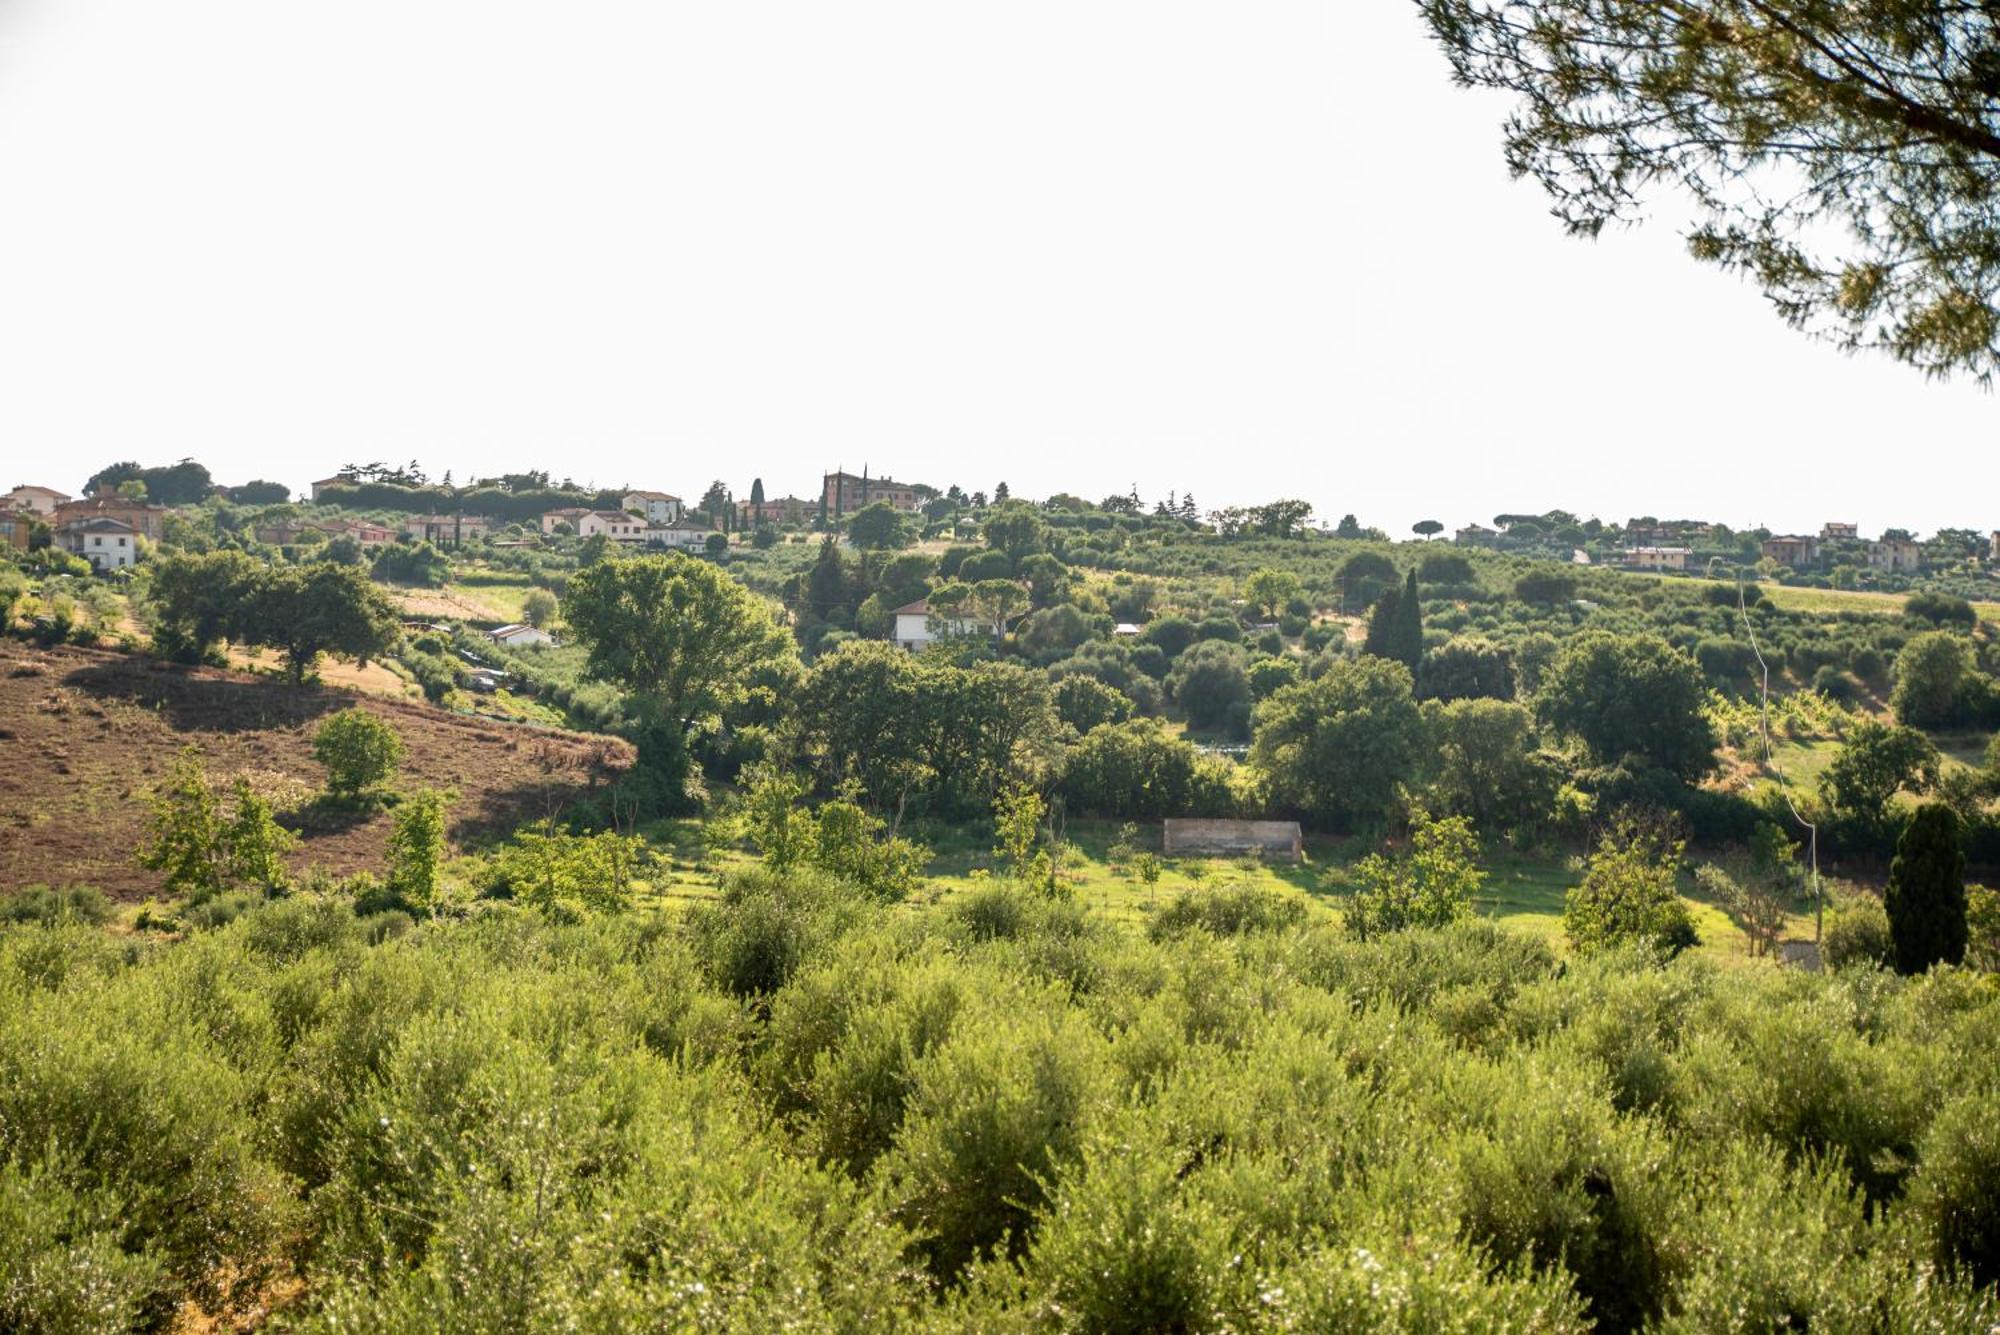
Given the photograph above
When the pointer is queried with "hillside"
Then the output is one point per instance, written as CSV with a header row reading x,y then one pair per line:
x,y
88,732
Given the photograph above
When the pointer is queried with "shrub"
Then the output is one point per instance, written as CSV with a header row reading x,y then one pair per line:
x,y
1431,885
1956,1193
1085,703
1628,892
1857,933
991,1115
84,904
360,753
1230,910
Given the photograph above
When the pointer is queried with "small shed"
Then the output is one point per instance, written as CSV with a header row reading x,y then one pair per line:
x,y
1279,840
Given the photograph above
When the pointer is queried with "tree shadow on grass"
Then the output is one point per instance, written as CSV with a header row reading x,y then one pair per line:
x,y
203,700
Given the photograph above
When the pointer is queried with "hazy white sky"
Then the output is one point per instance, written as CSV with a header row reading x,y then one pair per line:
x,y
1243,250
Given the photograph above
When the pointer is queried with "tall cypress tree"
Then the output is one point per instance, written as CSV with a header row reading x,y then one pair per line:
x,y
1396,626
1382,624
1926,895
1409,642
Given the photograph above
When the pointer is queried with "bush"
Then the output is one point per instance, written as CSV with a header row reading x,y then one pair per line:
x,y
1230,910
1857,933
84,904
360,753
1628,893
1955,1196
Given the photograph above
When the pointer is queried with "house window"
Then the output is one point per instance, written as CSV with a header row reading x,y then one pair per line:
x,y
97,542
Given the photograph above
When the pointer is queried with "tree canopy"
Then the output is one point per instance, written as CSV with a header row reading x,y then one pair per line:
x,y
1845,156
675,631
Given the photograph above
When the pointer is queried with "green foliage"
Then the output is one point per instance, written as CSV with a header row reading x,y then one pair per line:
x,y
1467,668
1396,627
567,876
1211,683
920,729
1483,765
1228,910
1628,895
1876,762
1140,771
413,563
1857,933
1752,904
197,600
1085,703
48,906
1931,674
1956,1194
255,844
1018,813
310,610
878,526
1431,885
841,838
361,753
1629,695
184,833
1925,900
1268,590
795,1108
1338,748
416,850
1810,141
674,630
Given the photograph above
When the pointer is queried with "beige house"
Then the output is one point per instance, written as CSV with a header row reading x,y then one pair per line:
x,y
680,536
1794,551
36,500
658,506
335,481
16,527
613,524
1656,558
108,544
1836,532
1898,556
366,532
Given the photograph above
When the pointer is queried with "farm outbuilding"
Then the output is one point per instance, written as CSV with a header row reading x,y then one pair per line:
x,y
1278,840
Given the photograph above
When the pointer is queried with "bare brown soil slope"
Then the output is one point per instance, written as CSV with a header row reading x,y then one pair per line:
x,y
85,734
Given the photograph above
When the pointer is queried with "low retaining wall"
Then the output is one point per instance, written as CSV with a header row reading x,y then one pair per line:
x,y
1275,839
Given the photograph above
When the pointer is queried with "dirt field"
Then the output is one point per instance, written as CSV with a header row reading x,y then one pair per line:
x,y
85,734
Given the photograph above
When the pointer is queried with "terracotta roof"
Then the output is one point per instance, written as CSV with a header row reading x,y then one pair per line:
x,y
921,607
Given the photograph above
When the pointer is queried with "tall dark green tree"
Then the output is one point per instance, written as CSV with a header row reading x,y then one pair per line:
x,y
1396,626
757,501
1926,895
